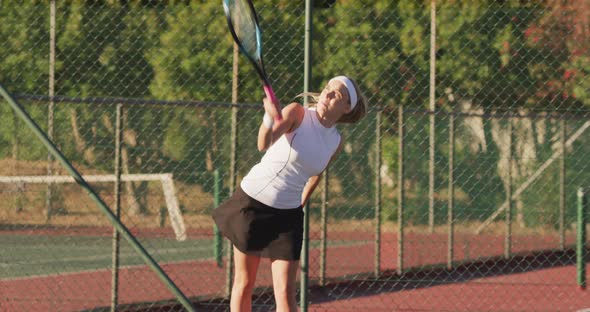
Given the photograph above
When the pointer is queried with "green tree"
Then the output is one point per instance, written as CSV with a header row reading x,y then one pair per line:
x,y
23,69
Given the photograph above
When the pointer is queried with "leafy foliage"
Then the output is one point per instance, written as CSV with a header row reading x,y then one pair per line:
x,y
494,54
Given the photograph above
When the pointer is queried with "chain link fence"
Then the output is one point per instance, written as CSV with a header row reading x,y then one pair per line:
x,y
456,192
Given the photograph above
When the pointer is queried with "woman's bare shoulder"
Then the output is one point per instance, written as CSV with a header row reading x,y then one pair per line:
x,y
294,112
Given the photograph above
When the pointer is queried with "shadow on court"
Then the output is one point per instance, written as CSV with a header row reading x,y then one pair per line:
x,y
338,291
390,281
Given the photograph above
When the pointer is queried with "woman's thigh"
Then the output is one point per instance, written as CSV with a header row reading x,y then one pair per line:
x,y
246,266
284,275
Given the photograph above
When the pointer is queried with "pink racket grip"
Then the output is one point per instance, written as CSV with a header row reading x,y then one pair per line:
x,y
271,96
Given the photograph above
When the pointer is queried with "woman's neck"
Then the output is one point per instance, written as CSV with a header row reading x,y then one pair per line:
x,y
325,121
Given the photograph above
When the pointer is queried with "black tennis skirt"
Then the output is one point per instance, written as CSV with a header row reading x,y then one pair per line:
x,y
257,229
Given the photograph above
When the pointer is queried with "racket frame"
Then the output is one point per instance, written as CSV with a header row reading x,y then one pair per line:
x,y
258,64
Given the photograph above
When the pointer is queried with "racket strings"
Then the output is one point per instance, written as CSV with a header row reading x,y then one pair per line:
x,y
244,24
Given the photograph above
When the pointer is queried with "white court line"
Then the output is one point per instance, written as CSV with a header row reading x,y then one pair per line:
x,y
134,266
97,257
196,261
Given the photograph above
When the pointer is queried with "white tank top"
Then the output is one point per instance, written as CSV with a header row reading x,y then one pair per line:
x,y
278,179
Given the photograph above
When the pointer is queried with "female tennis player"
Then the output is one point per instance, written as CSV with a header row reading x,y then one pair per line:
x,y
264,217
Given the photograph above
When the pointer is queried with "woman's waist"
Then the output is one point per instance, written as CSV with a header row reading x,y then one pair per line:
x,y
281,196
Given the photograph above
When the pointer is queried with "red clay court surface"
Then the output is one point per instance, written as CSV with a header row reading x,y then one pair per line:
x,y
540,282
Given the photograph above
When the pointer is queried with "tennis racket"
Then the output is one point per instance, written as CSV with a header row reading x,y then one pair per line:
x,y
245,29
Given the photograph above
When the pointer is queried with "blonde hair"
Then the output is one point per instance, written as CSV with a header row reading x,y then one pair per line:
x,y
359,111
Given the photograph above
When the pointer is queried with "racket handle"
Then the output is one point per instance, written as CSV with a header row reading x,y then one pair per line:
x,y
271,96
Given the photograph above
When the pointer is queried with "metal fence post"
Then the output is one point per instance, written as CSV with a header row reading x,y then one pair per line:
x,y
377,269
15,157
508,237
306,84
451,191
117,209
562,183
400,195
432,136
217,242
581,239
51,108
233,160
324,229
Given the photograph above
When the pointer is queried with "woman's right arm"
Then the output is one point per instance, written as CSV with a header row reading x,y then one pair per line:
x,y
292,117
